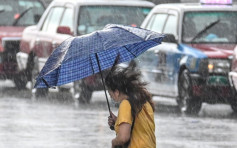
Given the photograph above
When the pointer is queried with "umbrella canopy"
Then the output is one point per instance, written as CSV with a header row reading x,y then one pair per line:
x,y
82,56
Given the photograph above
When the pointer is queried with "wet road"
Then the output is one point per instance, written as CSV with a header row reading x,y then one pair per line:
x,y
58,123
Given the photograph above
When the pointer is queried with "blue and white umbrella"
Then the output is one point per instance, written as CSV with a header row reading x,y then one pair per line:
x,y
82,56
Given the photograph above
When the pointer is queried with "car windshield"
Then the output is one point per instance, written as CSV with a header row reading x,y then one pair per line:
x,y
93,18
20,12
209,27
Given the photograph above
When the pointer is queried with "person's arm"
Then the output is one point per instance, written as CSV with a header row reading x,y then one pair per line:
x,y
123,135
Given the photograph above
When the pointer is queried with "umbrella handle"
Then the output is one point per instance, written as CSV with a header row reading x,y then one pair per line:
x,y
111,127
98,62
97,58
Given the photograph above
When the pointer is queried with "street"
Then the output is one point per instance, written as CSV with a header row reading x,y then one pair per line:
x,y
182,49
56,122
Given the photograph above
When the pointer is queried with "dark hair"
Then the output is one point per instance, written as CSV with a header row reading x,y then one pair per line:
x,y
127,80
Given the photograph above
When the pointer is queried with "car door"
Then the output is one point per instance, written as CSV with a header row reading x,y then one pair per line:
x,y
162,77
169,55
46,34
149,62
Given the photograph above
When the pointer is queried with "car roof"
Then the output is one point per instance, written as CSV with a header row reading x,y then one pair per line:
x,y
196,7
109,2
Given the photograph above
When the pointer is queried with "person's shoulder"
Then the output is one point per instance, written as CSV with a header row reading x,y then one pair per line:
x,y
148,106
125,103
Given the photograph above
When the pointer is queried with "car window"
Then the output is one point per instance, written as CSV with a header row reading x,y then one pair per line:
x,y
157,22
171,25
93,18
221,32
52,20
46,21
20,12
148,61
67,19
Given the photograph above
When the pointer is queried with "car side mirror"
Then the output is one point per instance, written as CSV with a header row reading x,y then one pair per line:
x,y
64,30
36,18
169,38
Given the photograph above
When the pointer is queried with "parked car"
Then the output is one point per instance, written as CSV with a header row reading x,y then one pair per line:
x,y
193,62
67,18
15,15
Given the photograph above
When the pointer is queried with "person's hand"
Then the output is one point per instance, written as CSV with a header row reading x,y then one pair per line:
x,y
113,116
111,119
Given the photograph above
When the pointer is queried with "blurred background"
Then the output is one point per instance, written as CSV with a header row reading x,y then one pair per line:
x,y
76,115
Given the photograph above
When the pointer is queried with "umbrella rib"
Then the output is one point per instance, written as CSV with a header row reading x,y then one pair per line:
x,y
92,65
58,74
45,82
129,51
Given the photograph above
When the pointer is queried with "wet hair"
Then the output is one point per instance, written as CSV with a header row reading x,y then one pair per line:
x,y
127,80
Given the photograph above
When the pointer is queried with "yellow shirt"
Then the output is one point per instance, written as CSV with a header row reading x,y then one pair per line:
x,y
143,133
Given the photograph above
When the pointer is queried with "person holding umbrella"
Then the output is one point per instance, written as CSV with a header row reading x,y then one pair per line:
x,y
134,125
79,57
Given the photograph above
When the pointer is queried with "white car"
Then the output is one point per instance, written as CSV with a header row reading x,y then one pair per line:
x,y
67,18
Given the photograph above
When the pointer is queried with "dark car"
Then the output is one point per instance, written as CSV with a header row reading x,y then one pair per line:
x,y
15,15
67,18
193,62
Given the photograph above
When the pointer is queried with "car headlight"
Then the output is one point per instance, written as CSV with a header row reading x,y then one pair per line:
x,y
218,66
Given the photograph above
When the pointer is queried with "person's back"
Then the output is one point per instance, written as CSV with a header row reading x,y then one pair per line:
x,y
143,132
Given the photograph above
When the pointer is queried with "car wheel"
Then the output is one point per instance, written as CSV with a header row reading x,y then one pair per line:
x,y
81,93
186,101
20,81
37,92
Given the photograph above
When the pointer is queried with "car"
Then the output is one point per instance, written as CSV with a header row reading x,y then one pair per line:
x,y
64,19
15,15
193,62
